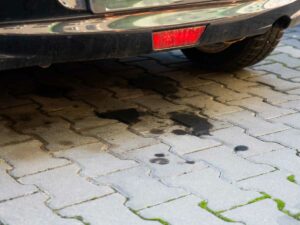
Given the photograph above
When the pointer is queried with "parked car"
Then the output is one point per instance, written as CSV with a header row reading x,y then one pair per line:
x,y
216,34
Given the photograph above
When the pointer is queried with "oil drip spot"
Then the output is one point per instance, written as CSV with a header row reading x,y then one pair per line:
x,y
179,132
200,126
189,162
159,155
241,148
128,116
160,161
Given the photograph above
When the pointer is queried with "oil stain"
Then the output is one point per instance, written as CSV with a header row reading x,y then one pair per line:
x,y
199,125
51,91
159,155
156,131
179,132
160,84
241,148
128,116
160,161
189,162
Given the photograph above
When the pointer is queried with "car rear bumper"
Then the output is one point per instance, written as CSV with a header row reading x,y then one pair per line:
x,y
60,40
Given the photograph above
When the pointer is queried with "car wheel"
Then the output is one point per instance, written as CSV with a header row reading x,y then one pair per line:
x,y
237,55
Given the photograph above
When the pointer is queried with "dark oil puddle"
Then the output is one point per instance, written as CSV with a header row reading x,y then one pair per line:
x,y
128,116
241,148
199,125
160,161
51,91
179,132
162,85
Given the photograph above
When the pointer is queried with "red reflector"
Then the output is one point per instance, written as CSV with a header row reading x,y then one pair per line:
x,y
177,38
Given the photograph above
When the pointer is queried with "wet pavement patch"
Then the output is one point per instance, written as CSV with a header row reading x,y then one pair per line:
x,y
199,125
160,161
128,116
51,91
160,84
241,148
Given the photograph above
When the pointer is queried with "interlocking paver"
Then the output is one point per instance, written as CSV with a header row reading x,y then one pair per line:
x,y
107,210
275,82
284,159
182,211
162,162
276,185
232,166
281,70
120,137
271,96
65,186
294,52
180,146
31,210
288,138
10,188
140,188
265,212
263,109
252,124
29,158
292,120
208,185
95,160
9,136
254,146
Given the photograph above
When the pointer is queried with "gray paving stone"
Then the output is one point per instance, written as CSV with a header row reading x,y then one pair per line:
x,y
292,120
208,105
162,162
10,188
271,96
9,136
156,104
232,166
265,212
120,137
281,70
59,136
284,159
29,158
286,60
182,211
263,109
295,105
65,186
207,184
275,82
221,93
109,210
294,52
180,146
248,73
288,138
276,185
31,210
95,160
140,188
235,136
252,124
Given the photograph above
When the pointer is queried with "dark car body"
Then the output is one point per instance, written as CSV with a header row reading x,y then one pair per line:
x,y
42,32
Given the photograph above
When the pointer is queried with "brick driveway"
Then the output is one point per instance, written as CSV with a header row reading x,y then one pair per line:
x,y
152,140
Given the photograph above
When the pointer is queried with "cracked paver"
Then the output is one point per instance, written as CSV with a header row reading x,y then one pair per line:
x,y
152,139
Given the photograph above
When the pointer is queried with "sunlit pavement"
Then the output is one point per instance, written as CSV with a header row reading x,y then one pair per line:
x,y
152,140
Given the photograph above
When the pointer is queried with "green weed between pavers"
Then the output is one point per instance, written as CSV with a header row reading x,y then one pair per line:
x,y
161,221
204,204
281,207
292,179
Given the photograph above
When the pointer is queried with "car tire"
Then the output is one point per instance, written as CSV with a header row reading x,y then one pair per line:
x,y
238,55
